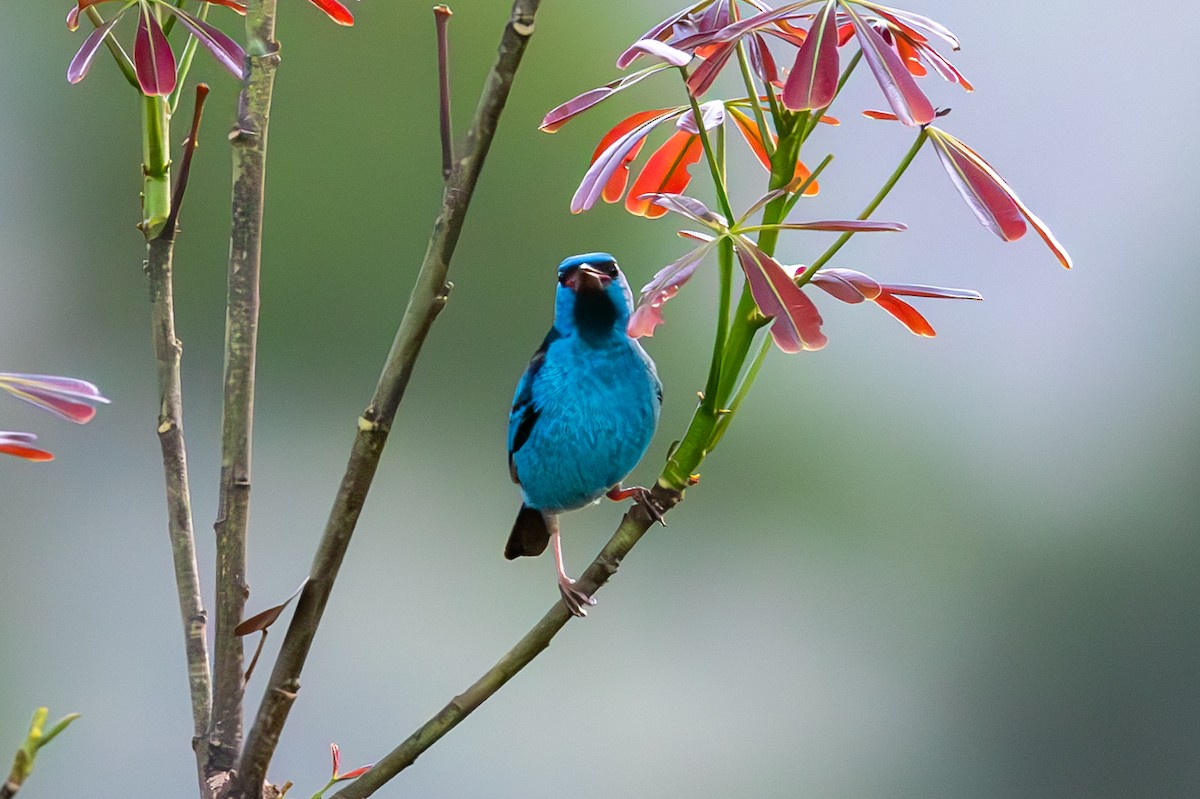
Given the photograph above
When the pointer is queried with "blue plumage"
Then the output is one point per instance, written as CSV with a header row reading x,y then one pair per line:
x,y
584,411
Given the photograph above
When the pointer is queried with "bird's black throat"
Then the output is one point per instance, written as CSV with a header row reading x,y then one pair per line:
x,y
595,315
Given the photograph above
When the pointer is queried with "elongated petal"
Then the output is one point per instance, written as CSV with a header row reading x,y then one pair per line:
x,y
906,315
814,77
20,445
663,52
612,159
557,117
82,61
844,225
614,187
762,61
65,397
79,7
984,192
988,195
848,285
626,58
909,18
944,68
152,57
906,99
665,172
228,53
932,292
797,322
336,11
665,284
713,62
692,208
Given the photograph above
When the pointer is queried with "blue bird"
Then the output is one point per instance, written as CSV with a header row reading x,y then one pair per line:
x,y
583,414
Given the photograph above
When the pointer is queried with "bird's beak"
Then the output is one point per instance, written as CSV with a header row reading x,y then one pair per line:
x,y
588,278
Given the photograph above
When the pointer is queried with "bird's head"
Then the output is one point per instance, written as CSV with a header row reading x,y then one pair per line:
x,y
593,297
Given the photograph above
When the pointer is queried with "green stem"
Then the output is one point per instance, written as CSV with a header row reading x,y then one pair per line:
x,y
743,390
752,96
714,165
156,166
118,53
870,209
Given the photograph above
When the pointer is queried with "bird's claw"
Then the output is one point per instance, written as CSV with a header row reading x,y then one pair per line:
x,y
576,600
641,496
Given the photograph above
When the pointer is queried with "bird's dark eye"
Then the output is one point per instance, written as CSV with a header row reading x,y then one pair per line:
x,y
610,269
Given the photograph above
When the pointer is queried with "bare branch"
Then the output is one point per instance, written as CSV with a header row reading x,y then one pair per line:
x,y
428,297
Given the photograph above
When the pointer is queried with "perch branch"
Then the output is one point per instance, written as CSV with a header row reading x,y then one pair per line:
x,y
429,296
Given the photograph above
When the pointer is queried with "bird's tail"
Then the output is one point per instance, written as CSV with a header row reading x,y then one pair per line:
x,y
530,534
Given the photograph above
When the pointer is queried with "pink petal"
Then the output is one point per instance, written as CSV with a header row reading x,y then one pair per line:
x,y
152,57
797,322
909,18
692,208
845,225
848,285
932,292
18,445
227,52
664,285
712,63
712,114
626,58
82,61
906,99
814,77
559,116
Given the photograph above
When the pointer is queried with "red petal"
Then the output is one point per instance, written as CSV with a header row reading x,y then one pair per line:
x,y
750,133
907,315
152,57
336,11
358,772
614,188
28,453
612,159
814,77
665,172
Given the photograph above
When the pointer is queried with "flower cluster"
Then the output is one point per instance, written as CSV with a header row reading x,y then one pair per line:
x,y
778,112
154,62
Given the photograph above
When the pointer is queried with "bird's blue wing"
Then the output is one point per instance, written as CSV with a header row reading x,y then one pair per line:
x,y
524,413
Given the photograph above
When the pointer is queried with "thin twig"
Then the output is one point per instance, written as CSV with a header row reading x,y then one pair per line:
x,y
167,353
633,527
441,15
429,296
249,140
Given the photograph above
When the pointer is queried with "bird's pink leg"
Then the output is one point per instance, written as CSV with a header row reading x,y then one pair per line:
x,y
639,495
573,598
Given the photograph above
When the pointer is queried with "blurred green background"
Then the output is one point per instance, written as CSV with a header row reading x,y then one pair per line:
x,y
957,567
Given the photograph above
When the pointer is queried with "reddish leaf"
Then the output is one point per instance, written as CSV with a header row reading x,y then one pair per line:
x,y
260,621
814,77
906,314
336,11
559,116
626,58
713,62
906,99
851,286
665,172
18,445
153,60
797,323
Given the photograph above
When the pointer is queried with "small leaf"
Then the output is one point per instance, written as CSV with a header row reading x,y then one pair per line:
x,y
335,10
665,284
260,621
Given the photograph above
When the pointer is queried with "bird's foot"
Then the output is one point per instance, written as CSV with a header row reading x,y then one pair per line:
x,y
642,496
576,600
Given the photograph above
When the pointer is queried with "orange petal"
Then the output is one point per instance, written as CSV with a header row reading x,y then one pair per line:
x,y
665,173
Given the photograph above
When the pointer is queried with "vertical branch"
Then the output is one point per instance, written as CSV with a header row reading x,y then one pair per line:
x,y
167,354
429,296
249,140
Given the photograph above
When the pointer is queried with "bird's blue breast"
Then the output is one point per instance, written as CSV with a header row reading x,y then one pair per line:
x,y
589,412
